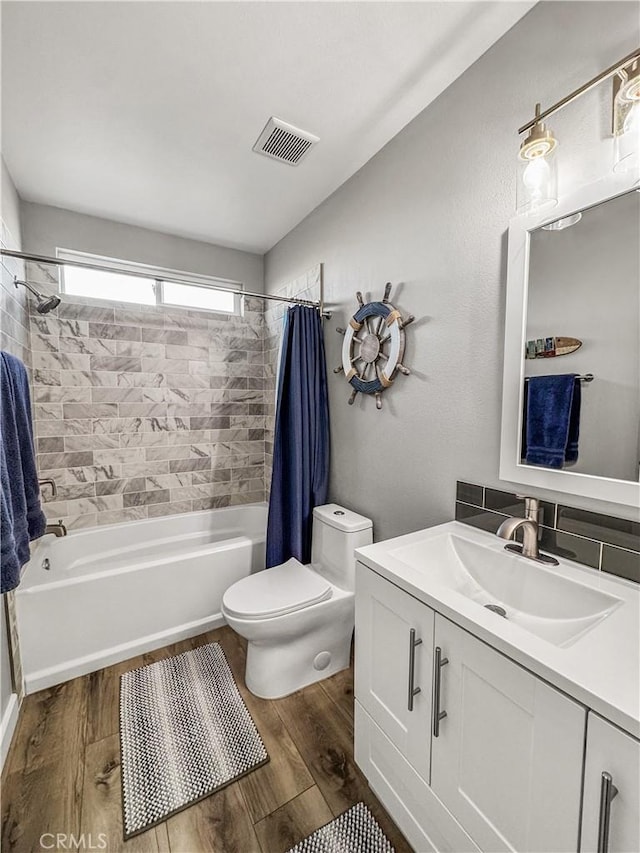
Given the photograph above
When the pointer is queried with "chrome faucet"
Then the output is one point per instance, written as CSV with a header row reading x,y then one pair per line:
x,y
57,529
530,526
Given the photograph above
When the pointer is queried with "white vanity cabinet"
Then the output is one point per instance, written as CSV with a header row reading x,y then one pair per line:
x,y
612,764
394,650
489,759
507,761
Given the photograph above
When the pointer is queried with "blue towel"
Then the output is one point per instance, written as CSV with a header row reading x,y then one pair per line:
x,y
8,555
552,420
22,516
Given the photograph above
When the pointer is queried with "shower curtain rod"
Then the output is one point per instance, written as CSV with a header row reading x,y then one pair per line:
x,y
58,262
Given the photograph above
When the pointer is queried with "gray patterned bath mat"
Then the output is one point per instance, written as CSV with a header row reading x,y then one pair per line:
x,y
185,732
354,831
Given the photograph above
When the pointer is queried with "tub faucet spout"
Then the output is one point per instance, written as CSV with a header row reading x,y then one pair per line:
x,y
57,529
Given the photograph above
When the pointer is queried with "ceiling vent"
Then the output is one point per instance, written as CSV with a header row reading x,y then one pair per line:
x,y
284,142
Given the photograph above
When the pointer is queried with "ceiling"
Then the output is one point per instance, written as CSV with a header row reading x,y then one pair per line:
x,y
146,112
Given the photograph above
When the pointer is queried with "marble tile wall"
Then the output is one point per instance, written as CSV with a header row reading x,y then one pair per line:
x,y
144,411
305,286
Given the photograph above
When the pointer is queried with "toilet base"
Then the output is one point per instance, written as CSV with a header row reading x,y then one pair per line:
x,y
278,669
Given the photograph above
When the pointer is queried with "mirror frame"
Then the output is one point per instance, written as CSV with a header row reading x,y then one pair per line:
x,y
511,469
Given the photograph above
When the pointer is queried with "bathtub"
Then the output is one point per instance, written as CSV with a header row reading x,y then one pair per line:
x,y
102,595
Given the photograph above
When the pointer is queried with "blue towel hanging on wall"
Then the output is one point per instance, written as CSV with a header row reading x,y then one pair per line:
x,y
551,420
22,517
301,444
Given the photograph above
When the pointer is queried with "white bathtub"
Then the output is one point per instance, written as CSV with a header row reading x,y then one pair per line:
x,y
116,591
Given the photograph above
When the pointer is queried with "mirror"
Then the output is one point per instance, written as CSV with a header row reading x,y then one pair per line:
x,y
573,310
583,283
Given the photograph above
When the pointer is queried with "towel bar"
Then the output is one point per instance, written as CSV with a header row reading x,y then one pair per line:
x,y
585,377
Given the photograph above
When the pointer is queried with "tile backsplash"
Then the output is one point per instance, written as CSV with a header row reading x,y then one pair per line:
x,y
602,542
143,411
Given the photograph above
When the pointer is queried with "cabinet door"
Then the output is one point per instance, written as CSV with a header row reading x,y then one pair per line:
x,y
611,751
388,623
508,759
426,824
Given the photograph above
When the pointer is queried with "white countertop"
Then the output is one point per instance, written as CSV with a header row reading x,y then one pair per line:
x,y
601,669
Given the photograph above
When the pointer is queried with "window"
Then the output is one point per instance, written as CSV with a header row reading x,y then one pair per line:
x,y
120,284
189,296
109,285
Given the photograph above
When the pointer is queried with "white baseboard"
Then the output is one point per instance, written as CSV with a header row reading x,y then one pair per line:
x,y
8,726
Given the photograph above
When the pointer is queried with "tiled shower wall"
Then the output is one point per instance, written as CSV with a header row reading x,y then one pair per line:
x,y
306,286
144,411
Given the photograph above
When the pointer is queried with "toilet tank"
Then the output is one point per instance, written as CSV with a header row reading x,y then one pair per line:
x,y
337,532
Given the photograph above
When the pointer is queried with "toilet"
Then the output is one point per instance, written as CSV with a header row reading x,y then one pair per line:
x,y
298,620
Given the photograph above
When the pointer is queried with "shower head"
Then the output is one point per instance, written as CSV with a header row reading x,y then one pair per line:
x,y
45,303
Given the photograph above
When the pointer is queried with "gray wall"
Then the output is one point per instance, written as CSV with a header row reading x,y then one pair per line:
x,y
46,228
10,203
430,214
14,329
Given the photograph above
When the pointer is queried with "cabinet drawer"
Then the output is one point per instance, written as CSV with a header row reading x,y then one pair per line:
x,y
425,822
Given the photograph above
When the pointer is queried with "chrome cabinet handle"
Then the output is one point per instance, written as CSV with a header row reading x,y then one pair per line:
x,y
438,715
413,691
607,792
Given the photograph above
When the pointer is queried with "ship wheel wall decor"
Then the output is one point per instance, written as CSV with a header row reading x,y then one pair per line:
x,y
373,344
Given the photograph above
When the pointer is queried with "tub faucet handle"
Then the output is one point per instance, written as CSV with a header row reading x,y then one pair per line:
x,y
57,529
47,481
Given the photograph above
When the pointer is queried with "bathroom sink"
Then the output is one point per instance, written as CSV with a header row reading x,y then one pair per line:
x,y
526,593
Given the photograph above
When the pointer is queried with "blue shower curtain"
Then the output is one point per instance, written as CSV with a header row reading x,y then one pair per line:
x,y
300,475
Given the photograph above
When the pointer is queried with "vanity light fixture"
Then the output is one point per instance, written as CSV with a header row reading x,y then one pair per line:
x,y
626,118
537,169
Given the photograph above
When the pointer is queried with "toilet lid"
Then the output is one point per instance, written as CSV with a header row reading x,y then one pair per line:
x,y
274,592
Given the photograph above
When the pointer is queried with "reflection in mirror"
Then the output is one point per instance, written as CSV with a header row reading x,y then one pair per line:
x,y
584,283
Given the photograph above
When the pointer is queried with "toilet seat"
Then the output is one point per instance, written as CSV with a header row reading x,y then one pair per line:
x,y
274,592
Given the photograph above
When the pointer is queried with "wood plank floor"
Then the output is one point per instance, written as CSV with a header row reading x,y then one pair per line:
x,y
62,774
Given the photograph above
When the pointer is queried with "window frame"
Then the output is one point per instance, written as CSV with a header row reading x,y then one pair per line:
x,y
160,275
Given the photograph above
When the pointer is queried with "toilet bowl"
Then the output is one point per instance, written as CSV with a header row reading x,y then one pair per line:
x,y
298,620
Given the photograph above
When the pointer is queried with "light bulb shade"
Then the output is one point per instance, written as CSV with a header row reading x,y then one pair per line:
x,y
537,181
626,123
626,140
